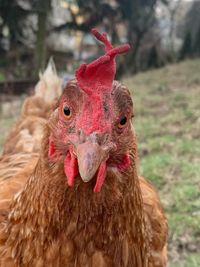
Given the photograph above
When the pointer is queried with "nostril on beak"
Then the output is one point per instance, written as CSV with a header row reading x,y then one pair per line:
x,y
81,136
94,137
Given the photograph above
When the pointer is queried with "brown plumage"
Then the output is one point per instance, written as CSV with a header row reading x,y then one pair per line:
x,y
23,143
58,222
25,135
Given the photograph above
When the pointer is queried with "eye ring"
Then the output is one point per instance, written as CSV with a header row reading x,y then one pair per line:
x,y
67,112
123,122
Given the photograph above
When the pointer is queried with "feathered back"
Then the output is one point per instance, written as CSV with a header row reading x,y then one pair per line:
x,y
22,146
47,91
49,86
25,135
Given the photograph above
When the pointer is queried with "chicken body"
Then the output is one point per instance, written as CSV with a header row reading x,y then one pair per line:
x,y
57,220
25,136
23,143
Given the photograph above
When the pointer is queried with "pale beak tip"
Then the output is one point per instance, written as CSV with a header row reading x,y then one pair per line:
x,y
85,179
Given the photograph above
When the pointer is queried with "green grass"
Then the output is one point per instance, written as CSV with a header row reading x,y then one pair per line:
x,y
192,260
2,76
167,122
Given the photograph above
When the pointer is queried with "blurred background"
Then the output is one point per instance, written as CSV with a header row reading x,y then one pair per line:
x,y
162,71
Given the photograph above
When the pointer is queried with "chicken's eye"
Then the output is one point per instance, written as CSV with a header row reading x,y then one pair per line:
x,y
122,122
67,112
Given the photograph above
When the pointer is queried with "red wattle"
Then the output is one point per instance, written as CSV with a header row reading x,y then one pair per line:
x,y
101,175
125,163
70,168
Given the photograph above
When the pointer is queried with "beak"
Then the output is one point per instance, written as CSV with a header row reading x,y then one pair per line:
x,y
90,156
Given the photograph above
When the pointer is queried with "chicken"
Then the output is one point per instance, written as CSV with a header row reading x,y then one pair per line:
x,y
26,134
21,149
84,203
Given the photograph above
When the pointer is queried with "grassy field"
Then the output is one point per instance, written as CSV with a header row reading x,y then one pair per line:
x,y
167,121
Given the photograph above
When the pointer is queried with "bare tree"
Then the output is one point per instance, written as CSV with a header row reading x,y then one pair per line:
x,y
173,7
42,9
140,18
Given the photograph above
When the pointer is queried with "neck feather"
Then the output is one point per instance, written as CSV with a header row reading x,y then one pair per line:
x,y
50,206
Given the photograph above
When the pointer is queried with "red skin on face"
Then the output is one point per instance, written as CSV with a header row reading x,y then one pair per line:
x,y
93,118
125,164
96,112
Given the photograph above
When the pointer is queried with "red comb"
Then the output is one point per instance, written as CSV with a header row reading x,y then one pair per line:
x,y
97,76
103,38
96,79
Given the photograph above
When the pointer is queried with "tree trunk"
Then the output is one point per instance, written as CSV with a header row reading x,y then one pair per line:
x,y
40,55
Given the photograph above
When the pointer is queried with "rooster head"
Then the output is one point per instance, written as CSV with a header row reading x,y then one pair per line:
x,y
93,127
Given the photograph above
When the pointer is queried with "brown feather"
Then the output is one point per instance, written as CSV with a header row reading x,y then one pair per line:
x,y
51,224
